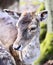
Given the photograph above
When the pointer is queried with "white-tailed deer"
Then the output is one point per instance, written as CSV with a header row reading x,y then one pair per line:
x,y
27,41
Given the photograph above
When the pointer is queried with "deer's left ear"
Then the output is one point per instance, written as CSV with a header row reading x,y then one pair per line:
x,y
42,15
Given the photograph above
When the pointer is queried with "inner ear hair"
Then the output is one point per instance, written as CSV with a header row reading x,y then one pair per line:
x,y
43,13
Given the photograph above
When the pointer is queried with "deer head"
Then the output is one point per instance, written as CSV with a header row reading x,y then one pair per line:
x,y
28,28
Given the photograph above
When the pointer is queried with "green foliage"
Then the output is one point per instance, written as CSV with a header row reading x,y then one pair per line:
x,y
43,25
41,8
46,49
43,31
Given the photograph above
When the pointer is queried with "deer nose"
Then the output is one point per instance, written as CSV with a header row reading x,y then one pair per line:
x,y
17,47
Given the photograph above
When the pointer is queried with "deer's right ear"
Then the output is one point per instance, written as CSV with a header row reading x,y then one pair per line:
x,y
16,14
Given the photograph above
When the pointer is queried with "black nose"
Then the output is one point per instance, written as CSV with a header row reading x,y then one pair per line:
x,y
17,47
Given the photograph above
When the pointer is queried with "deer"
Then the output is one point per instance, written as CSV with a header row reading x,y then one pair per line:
x,y
8,33
8,29
5,57
20,35
27,43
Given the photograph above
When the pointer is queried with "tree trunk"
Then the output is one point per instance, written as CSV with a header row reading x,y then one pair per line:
x,y
49,7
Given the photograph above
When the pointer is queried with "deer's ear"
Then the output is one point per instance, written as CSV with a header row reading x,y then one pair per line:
x,y
42,15
16,14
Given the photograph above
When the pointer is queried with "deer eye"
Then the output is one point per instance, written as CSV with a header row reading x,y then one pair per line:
x,y
33,28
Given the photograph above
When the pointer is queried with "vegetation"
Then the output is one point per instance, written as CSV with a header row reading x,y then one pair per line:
x,y
46,49
42,7
43,27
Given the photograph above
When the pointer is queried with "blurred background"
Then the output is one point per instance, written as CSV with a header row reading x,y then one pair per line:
x,y
46,27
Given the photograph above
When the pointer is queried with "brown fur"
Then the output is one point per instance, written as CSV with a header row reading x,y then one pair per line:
x,y
15,54
24,35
